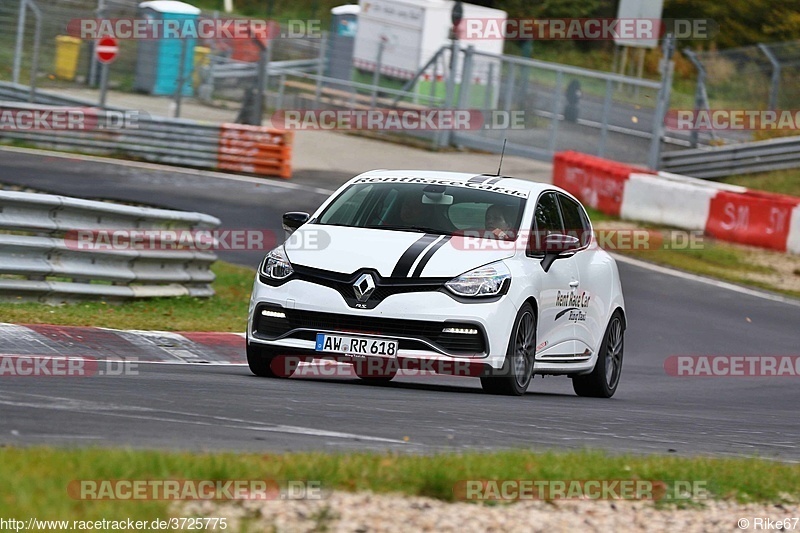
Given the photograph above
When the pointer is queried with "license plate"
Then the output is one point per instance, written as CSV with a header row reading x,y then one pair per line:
x,y
345,344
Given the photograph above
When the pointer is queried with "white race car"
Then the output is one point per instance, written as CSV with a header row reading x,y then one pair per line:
x,y
477,275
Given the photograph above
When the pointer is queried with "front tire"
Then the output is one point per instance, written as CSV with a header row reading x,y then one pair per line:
x,y
520,356
604,379
265,362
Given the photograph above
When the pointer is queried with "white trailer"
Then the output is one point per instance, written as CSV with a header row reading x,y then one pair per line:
x,y
413,31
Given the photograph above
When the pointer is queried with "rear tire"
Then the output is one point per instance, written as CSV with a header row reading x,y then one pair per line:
x,y
604,379
265,362
520,356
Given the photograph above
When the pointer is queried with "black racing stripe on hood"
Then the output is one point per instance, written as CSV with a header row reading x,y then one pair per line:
x,y
428,255
404,264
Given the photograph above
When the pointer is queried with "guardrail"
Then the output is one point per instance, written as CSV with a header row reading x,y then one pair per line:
x,y
42,256
745,158
257,150
15,92
224,68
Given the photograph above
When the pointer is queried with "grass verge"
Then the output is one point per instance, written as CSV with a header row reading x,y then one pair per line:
x,y
225,311
37,479
778,181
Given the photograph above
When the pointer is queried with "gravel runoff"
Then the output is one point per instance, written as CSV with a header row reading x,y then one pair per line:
x,y
368,512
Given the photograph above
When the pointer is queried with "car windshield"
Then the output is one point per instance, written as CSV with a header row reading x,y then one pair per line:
x,y
426,208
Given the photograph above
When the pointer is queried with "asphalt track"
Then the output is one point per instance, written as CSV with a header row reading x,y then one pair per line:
x,y
224,407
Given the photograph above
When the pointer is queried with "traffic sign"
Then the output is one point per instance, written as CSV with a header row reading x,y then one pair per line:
x,y
106,50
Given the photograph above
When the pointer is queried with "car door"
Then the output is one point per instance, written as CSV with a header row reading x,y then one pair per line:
x,y
586,304
556,332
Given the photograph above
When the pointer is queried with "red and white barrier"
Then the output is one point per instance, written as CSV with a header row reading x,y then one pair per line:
x,y
793,242
597,182
726,212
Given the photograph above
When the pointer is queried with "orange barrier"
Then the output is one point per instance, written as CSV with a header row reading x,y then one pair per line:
x,y
255,150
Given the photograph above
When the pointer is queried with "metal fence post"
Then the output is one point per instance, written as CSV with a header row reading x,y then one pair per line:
x,y
181,69
20,40
512,80
488,94
776,75
662,103
36,41
103,84
323,51
556,107
281,90
601,149
700,93
377,74
257,113
450,82
466,85
93,63
434,78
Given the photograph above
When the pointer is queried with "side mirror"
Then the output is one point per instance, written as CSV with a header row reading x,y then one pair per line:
x,y
557,245
293,220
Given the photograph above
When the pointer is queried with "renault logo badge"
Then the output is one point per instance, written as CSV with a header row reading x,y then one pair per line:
x,y
364,287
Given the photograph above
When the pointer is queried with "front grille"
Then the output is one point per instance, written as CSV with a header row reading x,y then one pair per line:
x,y
273,328
384,287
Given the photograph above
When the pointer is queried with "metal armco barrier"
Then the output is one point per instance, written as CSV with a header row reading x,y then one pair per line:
x,y
726,212
262,151
42,257
746,158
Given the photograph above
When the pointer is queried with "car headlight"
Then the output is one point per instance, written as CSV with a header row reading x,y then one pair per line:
x,y
276,265
487,280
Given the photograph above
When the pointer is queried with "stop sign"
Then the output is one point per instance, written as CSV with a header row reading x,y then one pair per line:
x,y
106,50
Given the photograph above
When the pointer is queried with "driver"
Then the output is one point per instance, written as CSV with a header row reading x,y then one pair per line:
x,y
496,222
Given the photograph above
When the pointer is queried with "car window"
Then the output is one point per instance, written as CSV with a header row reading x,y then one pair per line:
x,y
349,203
445,209
575,221
546,221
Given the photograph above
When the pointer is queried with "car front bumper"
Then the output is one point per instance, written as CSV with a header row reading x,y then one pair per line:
x,y
411,317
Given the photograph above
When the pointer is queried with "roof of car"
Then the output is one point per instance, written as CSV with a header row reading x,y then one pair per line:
x,y
490,179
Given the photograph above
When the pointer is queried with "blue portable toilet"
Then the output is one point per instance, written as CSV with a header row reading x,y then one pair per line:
x,y
158,60
342,41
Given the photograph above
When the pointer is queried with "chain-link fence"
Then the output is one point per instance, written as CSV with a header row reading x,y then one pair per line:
x,y
766,76
537,107
561,107
73,56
